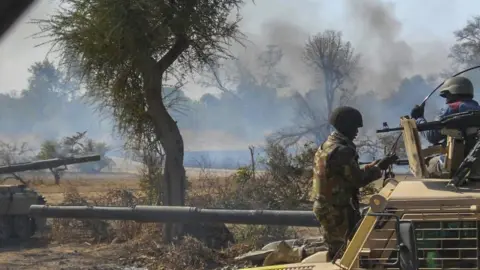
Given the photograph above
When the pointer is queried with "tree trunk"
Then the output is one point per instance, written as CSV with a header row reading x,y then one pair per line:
x,y
166,128
168,133
174,182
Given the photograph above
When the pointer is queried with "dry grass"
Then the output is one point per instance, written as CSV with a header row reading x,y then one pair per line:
x,y
95,185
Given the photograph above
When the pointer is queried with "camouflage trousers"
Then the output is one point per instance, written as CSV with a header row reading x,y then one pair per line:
x,y
335,225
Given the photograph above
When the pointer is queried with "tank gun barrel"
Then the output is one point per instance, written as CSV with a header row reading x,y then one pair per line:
x,y
47,164
179,214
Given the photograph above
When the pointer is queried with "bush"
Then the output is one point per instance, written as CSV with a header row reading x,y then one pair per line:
x,y
92,230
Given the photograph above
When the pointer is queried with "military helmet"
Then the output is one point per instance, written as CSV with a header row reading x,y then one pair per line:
x,y
457,86
346,117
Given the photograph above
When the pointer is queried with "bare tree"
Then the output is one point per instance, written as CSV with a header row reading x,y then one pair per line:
x,y
235,73
467,49
128,50
335,64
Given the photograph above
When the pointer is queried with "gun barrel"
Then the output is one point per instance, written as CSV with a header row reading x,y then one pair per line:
x,y
400,162
179,214
47,164
385,130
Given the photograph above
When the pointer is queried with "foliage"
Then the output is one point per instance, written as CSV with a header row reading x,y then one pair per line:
x,y
74,145
107,40
11,153
46,106
152,157
67,230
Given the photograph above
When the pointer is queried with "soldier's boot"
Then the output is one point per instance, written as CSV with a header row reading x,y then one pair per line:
x,y
285,254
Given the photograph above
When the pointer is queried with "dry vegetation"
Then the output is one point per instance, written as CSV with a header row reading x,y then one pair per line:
x,y
284,184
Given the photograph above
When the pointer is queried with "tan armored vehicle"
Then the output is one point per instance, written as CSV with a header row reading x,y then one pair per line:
x,y
421,222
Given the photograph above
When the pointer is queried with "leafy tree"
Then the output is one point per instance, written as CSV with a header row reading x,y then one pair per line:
x,y
128,50
77,144
48,149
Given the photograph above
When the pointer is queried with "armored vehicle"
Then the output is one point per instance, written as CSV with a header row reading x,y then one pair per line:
x,y
15,200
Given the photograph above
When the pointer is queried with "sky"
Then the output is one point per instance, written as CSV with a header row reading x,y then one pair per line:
x,y
427,26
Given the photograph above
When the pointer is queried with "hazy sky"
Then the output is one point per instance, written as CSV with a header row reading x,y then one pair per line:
x,y
426,25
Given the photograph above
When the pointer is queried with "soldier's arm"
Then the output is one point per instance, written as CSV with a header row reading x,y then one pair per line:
x,y
434,136
343,161
371,172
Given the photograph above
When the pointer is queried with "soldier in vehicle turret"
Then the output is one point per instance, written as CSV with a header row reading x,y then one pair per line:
x,y
458,93
337,178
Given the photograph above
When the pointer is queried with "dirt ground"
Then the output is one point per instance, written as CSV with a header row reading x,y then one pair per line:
x,y
41,255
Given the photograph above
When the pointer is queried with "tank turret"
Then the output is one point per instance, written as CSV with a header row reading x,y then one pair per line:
x,y
15,200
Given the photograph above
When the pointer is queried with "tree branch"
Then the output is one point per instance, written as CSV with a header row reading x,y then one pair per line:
x,y
181,44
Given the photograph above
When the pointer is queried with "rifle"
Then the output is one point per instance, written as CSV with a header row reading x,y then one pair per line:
x,y
459,121
399,162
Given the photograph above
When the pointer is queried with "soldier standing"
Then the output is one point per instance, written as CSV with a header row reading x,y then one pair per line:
x,y
338,177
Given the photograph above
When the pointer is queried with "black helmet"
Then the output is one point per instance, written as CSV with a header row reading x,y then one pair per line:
x,y
346,118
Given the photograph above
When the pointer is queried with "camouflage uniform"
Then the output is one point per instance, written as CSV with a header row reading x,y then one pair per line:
x,y
336,180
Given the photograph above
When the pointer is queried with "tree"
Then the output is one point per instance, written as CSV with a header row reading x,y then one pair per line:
x,y
466,52
43,95
335,64
249,96
77,144
128,50
467,49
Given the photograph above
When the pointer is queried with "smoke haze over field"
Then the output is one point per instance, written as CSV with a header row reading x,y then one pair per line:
x,y
396,39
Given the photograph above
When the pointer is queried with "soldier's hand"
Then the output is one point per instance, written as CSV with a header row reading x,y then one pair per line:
x,y
418,111
372,164
387,161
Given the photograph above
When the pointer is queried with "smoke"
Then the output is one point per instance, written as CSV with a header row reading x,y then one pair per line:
x,y
389,62
387,58
290,38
